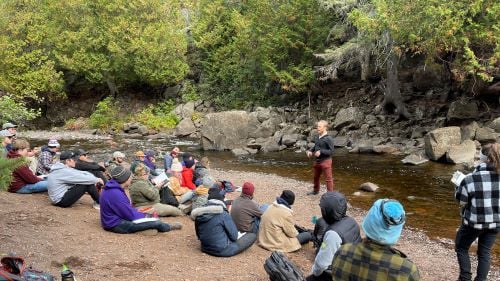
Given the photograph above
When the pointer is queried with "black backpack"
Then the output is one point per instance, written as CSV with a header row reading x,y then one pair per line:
x,y
167,197
280,268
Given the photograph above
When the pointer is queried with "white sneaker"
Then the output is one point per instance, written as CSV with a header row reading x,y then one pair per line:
x,y
96,206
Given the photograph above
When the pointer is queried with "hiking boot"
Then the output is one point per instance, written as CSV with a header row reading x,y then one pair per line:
x,y
175,225
312,193
96,206
148,232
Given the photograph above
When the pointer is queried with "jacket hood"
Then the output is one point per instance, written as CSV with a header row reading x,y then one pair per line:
x,y
12,154
206,213
113,184
57,166
333,206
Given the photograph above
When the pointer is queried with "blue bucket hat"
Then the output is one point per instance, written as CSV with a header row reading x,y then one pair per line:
x,y
384,221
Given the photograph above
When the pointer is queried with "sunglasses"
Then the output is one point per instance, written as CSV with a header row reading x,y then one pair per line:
x,y
390,220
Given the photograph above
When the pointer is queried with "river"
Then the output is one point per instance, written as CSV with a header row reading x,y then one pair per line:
x,y
424,190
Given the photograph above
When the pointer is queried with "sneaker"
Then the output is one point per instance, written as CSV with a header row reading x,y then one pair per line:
x,y
96,206
175,225
312,193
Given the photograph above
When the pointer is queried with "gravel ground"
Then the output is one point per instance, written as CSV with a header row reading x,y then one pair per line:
x,y
48,236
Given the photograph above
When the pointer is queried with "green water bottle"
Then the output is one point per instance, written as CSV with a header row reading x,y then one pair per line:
x,y
67,274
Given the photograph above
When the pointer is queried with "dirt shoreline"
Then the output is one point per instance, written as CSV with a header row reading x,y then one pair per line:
x,y
48,236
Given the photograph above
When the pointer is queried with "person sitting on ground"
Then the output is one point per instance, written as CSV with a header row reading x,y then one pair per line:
x,y
66,185
12,128
277,230
374,258
23,179
216,230
118,160
83,163
144,194
187,174
201,169
167,161
149,161
246,212
6,141
139,158
118,215
46,158
332,230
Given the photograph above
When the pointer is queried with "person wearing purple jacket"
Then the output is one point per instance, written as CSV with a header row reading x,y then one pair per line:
x,y
117,213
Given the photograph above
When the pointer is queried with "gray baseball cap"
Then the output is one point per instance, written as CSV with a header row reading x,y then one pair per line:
x,y
8,125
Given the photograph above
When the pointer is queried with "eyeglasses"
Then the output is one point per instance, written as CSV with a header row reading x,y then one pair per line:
x,y
390,220
10,137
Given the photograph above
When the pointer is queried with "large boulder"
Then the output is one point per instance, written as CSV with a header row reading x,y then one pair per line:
x,y
438,141
415,159
462,153
266,129
462,111
486,134
224,130
495,125
469,131
350,116
185,128
291,139
270,145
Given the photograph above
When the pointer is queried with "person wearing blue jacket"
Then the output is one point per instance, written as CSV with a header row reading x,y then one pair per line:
x,y
216,230
117,213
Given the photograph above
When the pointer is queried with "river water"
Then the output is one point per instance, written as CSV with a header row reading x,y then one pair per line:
x,y
424,190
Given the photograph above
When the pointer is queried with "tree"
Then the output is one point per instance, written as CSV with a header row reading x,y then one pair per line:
x,y
120,42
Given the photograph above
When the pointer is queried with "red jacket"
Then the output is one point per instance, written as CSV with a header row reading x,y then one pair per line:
x,y
187,178
21,176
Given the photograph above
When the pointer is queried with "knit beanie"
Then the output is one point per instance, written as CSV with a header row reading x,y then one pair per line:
x,y
176,165
215,193
120,174
248,189
208,182
53,143
384,221
288,196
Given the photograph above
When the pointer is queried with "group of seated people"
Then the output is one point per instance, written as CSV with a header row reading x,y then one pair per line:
x,y
224,227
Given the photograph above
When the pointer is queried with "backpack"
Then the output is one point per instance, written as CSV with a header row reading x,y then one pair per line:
x,y
227,186
280,268
167,197
14,269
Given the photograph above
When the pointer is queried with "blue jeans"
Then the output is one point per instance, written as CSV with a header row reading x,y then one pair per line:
x,y
234,248
465,237
40,186
129,227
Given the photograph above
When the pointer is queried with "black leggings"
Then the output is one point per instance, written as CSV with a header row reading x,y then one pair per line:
x,y
76,192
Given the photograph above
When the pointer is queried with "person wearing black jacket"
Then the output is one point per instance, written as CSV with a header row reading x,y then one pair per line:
x,y
322,152
83,163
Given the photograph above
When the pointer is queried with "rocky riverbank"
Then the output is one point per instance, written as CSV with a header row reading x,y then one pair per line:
x,y
48,236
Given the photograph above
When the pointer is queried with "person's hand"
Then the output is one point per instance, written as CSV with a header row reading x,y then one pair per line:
x,y
308,153
317,153
99,181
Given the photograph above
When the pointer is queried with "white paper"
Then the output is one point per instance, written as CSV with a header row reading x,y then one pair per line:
x,y
241,234
160,178
144,220
457,178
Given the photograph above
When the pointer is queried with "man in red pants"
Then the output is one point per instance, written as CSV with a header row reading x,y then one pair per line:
x,y
322,151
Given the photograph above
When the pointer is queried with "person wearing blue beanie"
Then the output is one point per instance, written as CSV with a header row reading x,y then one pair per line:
x,y
382,225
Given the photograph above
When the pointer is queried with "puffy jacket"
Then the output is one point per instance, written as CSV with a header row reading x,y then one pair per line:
x,y
214,227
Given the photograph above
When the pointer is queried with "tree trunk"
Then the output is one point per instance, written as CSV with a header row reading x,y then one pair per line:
x,y
364,61
393,102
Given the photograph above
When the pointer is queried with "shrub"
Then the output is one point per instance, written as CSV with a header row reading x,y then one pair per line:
x,y
6,168
105,115
159,116
189,92
76,124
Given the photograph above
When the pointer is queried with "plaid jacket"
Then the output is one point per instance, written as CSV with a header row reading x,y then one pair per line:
x,y
479,194
45,161
368,260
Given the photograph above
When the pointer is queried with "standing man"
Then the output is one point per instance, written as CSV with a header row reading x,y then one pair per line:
x,y
322,151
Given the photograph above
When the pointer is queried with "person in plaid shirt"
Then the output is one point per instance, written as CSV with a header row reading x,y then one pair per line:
x,y
374,258
479,197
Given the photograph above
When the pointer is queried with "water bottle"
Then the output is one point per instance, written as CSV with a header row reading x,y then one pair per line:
x,y
67,274
314,219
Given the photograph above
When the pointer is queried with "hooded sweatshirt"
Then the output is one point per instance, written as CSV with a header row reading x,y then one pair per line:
x,y
21,176
115,206
62,178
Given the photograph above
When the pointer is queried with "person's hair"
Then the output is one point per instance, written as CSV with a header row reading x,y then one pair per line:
x,y
205,162
141,170
324,122
492,151
20,144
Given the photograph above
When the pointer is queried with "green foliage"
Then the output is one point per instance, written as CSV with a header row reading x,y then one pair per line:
x,y
7,166
75,124
105,115
468,29
10,109
159,117
119,42
189,92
